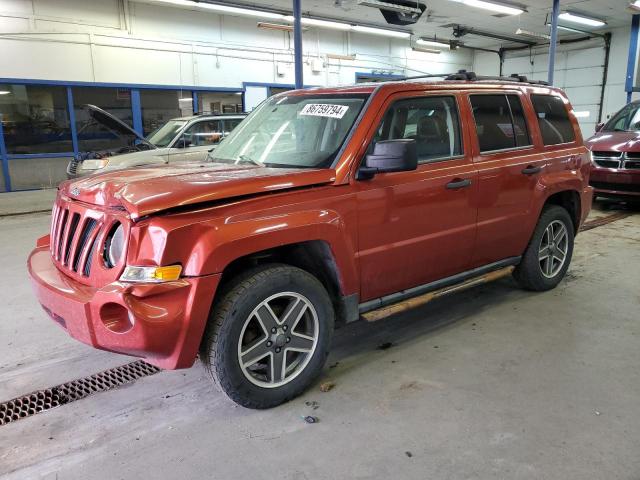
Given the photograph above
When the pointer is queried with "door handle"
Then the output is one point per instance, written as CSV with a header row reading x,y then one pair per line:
x,y
458,183
531,169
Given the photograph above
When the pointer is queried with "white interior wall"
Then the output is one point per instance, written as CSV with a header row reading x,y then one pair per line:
x,y
122,41
578,70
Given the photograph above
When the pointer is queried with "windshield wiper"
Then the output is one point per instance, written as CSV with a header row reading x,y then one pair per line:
x,y
247,158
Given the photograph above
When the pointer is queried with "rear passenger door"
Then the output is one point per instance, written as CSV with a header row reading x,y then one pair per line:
x,y
419,226
508,167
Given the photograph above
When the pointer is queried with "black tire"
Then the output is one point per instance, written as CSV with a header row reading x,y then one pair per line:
x,y
529,273
220,351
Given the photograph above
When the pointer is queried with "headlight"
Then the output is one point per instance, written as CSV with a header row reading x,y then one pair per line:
x,y
114,246
95,164
151,274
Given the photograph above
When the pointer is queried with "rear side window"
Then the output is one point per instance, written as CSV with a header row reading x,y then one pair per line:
x,y
431,121
500,122
553,119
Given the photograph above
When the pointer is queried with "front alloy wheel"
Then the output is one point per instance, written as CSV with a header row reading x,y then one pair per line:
x,y
268,335
278,339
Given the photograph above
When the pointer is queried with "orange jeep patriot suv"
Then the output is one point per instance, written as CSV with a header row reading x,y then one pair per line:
x,y
323,206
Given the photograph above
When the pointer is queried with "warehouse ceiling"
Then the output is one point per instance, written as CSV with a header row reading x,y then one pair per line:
x,y
441,14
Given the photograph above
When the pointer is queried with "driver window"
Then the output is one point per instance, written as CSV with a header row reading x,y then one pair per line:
x,y
433,123
208,132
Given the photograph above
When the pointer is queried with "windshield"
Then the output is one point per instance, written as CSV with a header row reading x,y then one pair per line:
x,y
162,136
301,131
626,120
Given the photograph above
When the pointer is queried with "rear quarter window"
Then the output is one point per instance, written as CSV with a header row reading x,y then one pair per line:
x,y
553,119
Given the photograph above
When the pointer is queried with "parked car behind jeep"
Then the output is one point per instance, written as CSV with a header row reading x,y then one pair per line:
x,y
180,140
615,171
323,207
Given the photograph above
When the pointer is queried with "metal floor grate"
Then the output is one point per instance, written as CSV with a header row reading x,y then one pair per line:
x,y
49,398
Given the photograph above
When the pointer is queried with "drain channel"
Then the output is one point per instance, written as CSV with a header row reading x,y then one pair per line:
x,y
43,400
598,222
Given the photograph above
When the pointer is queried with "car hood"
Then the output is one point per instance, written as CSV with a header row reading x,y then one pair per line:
x,y
614,141
148,190
114,124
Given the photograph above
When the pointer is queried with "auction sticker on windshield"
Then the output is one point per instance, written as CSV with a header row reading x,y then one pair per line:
x,y
324,110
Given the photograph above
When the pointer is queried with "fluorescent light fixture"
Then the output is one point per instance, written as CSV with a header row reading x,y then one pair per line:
x,y
185,99
504,8
426,50
393,7
634,7
528,33
433,43
582,114
4,92
380,31
275,26
239,11
337,56
224,9
579,18
315,22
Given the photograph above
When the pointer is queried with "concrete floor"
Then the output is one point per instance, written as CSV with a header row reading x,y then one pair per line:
x,y
492,383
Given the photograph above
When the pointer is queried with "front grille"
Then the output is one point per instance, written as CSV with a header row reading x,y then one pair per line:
x,y
74,233
634,155
619,187
607,163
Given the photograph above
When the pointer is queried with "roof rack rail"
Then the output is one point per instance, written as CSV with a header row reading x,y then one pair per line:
x,y
464,75
471,76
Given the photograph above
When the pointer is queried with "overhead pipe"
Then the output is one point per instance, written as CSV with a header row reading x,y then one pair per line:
x,y
553,42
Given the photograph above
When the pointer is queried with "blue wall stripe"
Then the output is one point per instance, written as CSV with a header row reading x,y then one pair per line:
x,y
631,60
194,96
72,122
4,159
137,111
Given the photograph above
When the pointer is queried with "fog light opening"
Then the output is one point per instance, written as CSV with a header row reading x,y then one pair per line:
x,y
116,318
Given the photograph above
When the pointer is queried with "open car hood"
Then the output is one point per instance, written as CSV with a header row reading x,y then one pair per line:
x,y
148,190
114,124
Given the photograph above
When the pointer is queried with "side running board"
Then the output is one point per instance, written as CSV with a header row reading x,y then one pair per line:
x,y
408,304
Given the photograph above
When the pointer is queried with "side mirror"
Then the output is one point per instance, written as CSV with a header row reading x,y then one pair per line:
x,y
390,156
599,126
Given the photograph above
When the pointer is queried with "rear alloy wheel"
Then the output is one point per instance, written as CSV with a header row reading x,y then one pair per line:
x,y
548,255
268,335
553,249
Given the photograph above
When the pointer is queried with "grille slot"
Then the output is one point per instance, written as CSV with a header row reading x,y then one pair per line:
x,y
75,219
85,235
605,154
632,164
49,398
607,163
634,155
60,233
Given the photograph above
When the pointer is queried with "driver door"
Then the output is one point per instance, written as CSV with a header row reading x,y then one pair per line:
x,y
196,141
419,226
